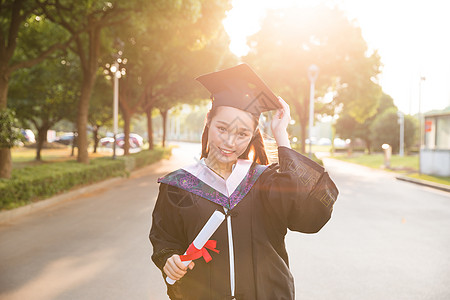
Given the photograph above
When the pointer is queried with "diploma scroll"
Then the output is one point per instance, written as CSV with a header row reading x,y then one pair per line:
x,y
203,236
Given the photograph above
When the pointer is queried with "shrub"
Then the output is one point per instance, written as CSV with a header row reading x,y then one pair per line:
x,y
9,135
37,182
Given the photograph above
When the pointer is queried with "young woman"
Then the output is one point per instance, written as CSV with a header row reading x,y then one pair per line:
x,y
260,202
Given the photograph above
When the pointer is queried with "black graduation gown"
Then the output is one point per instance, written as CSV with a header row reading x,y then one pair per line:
x,y
295,194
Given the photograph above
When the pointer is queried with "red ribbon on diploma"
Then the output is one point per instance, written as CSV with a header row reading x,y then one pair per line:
x,y
193,253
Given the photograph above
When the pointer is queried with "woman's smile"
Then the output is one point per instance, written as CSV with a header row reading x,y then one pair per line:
x,y
226,152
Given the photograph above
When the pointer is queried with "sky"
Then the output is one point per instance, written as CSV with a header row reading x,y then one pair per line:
x,y
412,38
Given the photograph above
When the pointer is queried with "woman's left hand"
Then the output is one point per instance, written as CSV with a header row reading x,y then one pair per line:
x,y
280,123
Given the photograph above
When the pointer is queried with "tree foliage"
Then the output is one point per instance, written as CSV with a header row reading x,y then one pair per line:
x,y
165,53
9,134
24,42
86,20
349,128
294,38
45,94
385,129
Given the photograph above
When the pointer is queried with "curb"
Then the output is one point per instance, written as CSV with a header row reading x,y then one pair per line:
x,y
9,215
442,187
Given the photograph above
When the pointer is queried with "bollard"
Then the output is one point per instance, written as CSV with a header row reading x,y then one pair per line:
x,y
387,155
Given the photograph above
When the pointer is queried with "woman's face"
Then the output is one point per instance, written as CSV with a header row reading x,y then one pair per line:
x,y
229,134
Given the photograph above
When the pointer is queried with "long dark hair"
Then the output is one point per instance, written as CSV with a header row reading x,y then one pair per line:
x,y
256,144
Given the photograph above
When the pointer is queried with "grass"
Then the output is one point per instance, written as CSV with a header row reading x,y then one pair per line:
x,y
20,155
406,165
376,161
25,157
436,179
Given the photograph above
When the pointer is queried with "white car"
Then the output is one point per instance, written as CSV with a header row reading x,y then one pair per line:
x,y
136,141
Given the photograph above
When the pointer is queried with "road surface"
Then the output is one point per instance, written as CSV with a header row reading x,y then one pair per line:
x,y
387,239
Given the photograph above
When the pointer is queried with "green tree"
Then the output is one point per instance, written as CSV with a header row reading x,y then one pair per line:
x,y
43,95
26,38
194,122
86,21
165,53
386,130
292,39
349,128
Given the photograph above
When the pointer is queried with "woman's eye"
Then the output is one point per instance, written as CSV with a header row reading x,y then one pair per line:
x,y
221,129
243,134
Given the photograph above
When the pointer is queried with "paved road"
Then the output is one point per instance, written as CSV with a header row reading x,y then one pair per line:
x,y
94,247
387,240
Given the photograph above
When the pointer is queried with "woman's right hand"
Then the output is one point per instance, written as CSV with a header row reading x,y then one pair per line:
x,y
280,123
174,267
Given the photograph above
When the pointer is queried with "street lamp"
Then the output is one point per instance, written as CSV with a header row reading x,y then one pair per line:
x,y
401,121
422,78
115,70
313,72
116,73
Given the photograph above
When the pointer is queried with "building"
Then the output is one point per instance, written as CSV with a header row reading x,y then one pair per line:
x,y
435,152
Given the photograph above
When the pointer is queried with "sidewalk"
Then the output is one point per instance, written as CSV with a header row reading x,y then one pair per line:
x,y
435,185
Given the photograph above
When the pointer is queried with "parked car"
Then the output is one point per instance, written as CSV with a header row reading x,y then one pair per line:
x,y
313,141
65,139
340,143
324,141
136,141
29,135
106,141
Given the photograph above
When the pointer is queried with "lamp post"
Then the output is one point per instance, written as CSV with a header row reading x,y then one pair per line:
x,y
313,72
401,121
116,73
422,78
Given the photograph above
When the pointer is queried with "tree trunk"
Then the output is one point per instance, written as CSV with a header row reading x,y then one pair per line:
x,y
333,136
368,146
303,135
74,143
5,163
5,153
350,148
42,138
164,125
149,127
303,120
89,62
128,109
95,133
126,132
4,82
82,118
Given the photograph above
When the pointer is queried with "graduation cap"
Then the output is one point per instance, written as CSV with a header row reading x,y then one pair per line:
x,y
240,87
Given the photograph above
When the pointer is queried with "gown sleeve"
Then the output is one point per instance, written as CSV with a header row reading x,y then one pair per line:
x,y
166,234
297,193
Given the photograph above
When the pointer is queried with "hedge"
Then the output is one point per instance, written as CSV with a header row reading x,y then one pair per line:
x,y
42,181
